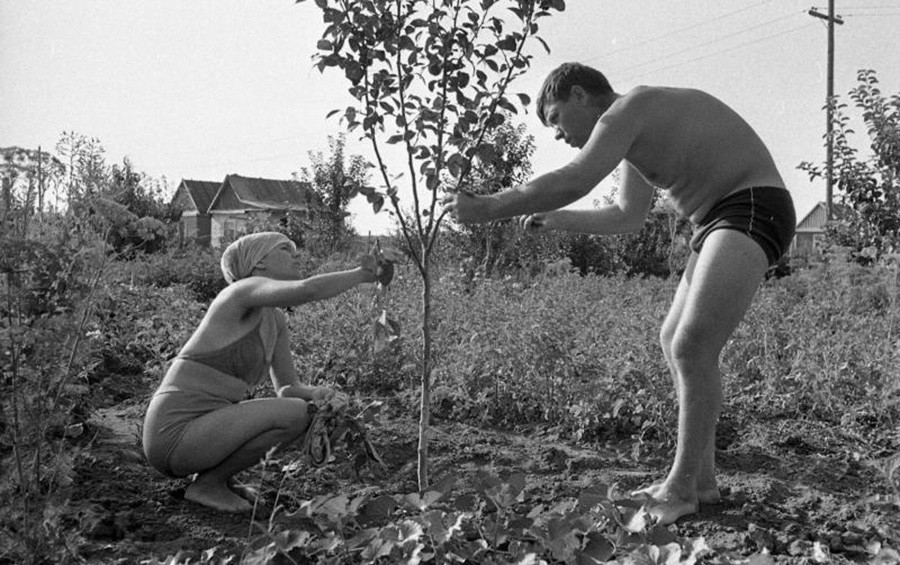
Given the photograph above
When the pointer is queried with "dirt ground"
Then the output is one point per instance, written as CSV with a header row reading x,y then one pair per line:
x,y
785,488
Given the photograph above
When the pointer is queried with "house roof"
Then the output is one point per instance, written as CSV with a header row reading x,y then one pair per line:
x,y
200,193
271,194
815,219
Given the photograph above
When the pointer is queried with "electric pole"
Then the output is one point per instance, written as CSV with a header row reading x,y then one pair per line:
x,y
829,108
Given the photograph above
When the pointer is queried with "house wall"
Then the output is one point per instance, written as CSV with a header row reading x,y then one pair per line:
x,y
194,228
805,243
815,220
226,226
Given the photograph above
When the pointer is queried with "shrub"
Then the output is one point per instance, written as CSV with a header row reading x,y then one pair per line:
x,y
197,268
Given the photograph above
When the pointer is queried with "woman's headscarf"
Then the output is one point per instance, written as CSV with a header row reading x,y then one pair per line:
x,y
241,257
238,262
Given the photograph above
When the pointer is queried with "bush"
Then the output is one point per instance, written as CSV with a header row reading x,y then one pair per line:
x,y
197,268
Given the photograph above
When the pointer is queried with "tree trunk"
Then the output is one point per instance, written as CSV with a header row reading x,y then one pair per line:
x,y
425,400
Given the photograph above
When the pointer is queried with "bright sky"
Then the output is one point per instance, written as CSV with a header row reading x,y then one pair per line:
x,y
206,88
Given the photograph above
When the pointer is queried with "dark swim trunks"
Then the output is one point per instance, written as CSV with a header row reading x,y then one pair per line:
x,y
765,213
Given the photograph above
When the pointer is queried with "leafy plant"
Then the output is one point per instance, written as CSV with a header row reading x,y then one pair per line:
x,y
498,523
870,187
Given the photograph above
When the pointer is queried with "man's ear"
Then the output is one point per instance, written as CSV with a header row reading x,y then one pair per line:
x,y
579,93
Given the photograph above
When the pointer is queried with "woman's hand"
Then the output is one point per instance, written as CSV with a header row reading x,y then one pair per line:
x,y
379,268
322,394
535,222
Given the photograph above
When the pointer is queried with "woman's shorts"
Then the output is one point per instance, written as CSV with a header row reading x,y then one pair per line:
x,y
765,213
188,391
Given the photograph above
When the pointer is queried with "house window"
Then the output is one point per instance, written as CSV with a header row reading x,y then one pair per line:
x,y
229,230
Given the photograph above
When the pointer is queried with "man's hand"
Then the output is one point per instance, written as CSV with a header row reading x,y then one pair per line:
x,y
466,208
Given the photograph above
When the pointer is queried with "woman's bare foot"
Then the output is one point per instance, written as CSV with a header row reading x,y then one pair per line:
x,y
217,496
248,493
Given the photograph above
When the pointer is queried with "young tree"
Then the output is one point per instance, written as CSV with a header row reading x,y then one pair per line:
x,y
869,187
429,76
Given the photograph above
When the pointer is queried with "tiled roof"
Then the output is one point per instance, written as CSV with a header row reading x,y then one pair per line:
x,y
269,193
201,192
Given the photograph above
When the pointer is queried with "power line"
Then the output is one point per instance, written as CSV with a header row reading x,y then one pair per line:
x,y
674,32
704,44
726,50
870,7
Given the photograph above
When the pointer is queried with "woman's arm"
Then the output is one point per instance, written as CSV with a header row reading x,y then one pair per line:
x,y
261,292
285,380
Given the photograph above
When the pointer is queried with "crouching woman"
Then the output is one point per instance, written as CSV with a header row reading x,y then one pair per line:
x,y
200,420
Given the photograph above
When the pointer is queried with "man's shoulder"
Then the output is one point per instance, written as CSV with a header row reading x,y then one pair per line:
x,y
637,100
644,94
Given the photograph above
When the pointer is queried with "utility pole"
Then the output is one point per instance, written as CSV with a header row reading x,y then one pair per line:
x,y
829,108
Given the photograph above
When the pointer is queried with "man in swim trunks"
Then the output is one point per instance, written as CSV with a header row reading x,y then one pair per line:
x,y
719,174
200,419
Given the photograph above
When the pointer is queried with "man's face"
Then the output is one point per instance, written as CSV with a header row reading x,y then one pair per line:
x,y
573,118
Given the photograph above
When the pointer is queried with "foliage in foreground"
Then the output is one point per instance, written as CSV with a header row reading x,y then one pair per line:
x,y
499,523
577,354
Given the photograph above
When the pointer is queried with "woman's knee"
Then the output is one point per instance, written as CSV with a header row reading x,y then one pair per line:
x,y
292,417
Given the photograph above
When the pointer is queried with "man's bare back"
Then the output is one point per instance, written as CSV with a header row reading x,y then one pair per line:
x,y
692,145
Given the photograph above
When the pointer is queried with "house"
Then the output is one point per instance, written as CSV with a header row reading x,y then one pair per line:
x,y
239,200
192,198
811,229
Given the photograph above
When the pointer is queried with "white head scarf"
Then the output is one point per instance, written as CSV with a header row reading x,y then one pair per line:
x,y
241,256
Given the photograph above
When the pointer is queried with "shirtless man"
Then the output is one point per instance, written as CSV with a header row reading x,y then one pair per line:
x,y
719,174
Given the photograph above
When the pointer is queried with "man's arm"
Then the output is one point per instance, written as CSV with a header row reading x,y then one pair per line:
x,y
610,140
626,215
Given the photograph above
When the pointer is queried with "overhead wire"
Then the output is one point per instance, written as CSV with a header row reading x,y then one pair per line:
x,y
726,50
705,43
674,32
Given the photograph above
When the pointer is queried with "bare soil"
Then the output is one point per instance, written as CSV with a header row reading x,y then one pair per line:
x,y
787,486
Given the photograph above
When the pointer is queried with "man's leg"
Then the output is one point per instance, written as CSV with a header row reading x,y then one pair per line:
x,y
707,488
725,277
226,441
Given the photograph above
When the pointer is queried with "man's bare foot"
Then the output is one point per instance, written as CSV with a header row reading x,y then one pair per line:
x,y
706,495
666,511
216,496
666,506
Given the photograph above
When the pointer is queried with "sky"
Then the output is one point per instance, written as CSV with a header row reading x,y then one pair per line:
x,y
204,88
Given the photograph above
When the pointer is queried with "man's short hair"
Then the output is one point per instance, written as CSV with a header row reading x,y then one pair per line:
x,y
558,85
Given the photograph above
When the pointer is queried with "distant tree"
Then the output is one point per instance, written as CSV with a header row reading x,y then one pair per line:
x,y
870,187
26,175
335,179
136,191
498,241
86,169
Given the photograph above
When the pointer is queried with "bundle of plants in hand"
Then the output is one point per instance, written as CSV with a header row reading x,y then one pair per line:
x,y
336,421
